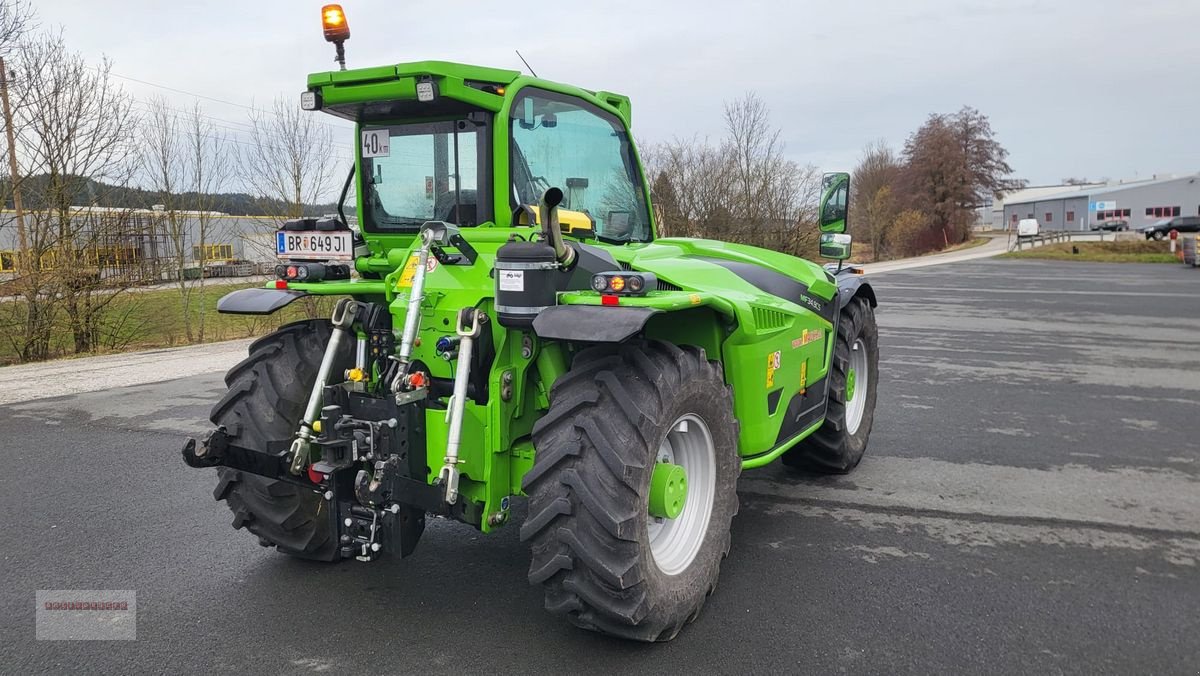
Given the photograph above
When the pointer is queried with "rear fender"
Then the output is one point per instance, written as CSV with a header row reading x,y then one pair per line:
x,y
592,323
257,301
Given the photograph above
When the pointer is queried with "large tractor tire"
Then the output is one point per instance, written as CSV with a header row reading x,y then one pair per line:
x,y
604,561
267,395
838,445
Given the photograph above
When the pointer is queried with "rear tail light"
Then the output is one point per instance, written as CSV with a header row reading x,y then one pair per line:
x,y
624,283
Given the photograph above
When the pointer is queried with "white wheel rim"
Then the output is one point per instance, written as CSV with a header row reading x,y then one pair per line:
x,y
674,543
856,405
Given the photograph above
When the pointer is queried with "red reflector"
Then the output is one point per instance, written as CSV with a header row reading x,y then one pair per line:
x,y
291,272
610,300
280,284
315,476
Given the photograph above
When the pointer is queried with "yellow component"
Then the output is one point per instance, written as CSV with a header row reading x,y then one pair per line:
x,y
573,223
616,283
316,426
410,271
356,375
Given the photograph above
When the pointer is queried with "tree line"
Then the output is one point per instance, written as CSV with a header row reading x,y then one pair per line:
x,y
927,196
85,154
742,187
80,139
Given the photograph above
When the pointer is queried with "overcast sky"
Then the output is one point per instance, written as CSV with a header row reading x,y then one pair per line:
x,y
1095,88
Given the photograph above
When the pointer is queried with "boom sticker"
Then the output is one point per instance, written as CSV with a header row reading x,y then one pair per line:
x,y
773,361
808,336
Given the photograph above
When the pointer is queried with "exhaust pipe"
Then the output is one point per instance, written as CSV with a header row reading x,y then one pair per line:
x,y
550,228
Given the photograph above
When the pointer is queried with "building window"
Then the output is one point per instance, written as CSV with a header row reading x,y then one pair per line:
x,y
213,252
1070,216
1163,212
1126,212
1049,217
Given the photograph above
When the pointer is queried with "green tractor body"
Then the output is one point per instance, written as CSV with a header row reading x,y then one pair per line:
x,y
515,328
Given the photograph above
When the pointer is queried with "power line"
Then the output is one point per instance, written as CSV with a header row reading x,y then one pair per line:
x,y
183,116
205,97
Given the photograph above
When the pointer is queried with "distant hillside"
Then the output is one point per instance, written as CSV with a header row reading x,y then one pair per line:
x,y
95,193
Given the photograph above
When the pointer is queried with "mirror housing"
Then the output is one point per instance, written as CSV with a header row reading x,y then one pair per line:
x,y
835,245
835,203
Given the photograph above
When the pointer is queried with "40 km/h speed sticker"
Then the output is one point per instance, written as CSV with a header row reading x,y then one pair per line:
x,y
376,143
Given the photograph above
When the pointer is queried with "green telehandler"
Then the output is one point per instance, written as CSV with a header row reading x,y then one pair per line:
x,y
509,326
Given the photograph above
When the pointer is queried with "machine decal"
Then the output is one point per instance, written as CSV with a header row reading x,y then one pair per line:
x,y
773,362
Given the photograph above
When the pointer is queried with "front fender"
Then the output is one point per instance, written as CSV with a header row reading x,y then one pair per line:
x,y
851,284
257,301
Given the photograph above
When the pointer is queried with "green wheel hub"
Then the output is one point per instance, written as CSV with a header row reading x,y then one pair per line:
x,y
850,382
668,490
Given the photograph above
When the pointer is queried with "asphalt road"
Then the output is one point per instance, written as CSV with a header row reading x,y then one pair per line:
x,y
1030,503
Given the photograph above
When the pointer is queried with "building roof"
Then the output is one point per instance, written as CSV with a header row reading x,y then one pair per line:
x,y
1032,194
1100,189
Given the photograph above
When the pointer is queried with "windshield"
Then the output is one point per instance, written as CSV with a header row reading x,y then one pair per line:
x,y
428,171
561,141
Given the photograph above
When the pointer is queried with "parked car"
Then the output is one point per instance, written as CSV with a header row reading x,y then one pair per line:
x,y
1161,229
1028,227
1118,225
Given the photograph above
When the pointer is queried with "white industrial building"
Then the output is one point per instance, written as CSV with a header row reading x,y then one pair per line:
x,y
1083,207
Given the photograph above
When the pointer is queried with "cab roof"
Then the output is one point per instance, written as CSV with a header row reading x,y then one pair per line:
x,y
348,93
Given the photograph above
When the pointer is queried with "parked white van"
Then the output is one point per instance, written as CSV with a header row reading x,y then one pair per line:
x,y
1028,227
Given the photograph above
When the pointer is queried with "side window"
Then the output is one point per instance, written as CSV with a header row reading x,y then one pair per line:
x,y
560,141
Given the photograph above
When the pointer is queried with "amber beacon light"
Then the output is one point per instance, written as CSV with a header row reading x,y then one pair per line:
x,y
337,30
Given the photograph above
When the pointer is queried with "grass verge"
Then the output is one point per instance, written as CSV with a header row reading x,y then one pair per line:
x,y
143,319
1100,252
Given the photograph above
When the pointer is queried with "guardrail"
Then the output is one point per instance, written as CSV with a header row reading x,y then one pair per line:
x,y
1052,237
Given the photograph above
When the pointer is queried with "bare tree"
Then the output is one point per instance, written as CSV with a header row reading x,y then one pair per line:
x,y
17,18
289,157
209,164
75,131
741,189
186,159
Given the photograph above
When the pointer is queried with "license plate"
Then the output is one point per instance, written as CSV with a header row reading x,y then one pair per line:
x,y
315,245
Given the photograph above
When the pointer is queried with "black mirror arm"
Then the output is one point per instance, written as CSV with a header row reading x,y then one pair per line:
x,y
342,198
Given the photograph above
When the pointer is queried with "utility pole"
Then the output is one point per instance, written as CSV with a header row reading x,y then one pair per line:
x,y
14,173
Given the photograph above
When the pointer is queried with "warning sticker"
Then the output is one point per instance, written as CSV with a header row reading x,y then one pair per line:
x,y
407,274
410,270
773,361
511,280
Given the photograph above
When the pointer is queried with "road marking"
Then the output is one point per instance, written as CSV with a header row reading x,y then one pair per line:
x,y
1179,552
1049,292
1162,500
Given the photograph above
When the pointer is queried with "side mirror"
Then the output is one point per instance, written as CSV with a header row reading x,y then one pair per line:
x,y
835,202
835,245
